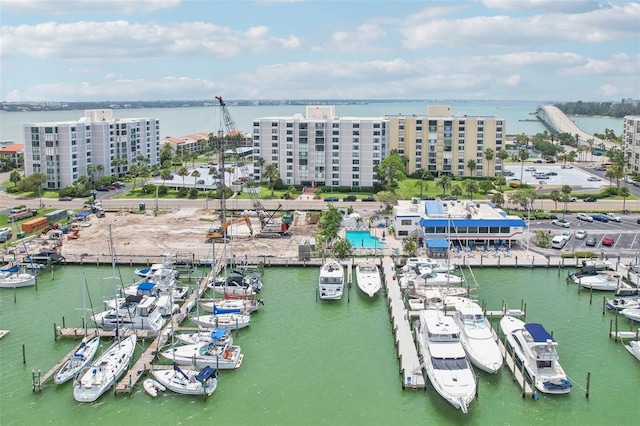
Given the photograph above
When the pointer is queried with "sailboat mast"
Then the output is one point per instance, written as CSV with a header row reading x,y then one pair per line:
x,y
112,252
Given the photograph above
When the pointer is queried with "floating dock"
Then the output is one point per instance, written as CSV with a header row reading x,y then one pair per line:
x,y
410,364
518,376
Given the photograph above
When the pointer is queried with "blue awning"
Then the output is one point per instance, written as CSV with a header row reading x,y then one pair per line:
x,y
145,286
82,214
455,223
538,333
437,243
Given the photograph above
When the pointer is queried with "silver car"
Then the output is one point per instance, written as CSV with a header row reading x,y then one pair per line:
x,y
586,217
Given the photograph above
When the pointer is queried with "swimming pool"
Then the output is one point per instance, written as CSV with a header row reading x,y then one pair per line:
x,y
363,239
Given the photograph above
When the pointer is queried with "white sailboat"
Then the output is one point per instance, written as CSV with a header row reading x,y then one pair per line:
x,y
103,373
368,278
189,381
81,357
476,336
634,348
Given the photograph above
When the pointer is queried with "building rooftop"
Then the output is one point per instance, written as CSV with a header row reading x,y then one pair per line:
x,y
454,209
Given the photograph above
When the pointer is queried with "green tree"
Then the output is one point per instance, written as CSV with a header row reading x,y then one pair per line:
x,y
486,186
183,172
388,198
195,174
165,174
624,193
523,155
566,190
456,190
524,197
470,187
555,196
260,162
166,153
330,223
271,173
422,184
15,177
134,172
391,170
341,248
501,181
488,155
471,165
445,184
498,199
410,247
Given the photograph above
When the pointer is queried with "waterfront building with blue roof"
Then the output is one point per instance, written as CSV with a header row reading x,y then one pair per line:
x,y
462,223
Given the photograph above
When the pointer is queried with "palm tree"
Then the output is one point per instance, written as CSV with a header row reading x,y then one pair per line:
x,y
470,187
566,190
183,172
422,184
260,162
498,199
445,183
488,155
100,169
195,174
556,196
15,177
456,190
471,165
500,181
523,154
271,173
624,193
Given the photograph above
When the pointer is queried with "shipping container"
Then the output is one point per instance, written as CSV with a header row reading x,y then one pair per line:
x,y
34,225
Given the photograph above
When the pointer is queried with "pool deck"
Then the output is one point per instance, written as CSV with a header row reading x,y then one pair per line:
x,y
389,242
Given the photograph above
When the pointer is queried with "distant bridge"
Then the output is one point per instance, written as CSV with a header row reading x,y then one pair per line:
x,y
556,119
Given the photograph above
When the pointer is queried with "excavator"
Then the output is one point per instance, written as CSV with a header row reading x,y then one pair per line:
x,y
220,233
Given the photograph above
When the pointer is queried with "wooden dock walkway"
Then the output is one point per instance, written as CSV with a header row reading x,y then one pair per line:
x,y
140,368
518,376
410,364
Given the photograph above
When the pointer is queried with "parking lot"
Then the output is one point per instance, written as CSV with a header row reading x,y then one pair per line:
x,y
624,233
576,177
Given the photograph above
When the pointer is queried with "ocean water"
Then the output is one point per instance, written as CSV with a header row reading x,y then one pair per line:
x,y
309,362
520,116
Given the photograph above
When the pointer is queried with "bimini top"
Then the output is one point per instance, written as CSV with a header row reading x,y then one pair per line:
x,y
538,333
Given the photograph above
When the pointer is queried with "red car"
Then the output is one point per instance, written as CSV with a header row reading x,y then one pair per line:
x,y
607,241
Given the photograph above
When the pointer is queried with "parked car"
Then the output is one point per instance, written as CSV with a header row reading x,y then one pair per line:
x,y
369,198
350,198
614,217
450,198
566,166
590,241
113,187
581,234
586,217
573,199
331,199
552,174
600,217
551,161
561,222
102,189
638,221
593,179
538,161
66,198
529,169
607,241
508,173
600,169
566,235
590,200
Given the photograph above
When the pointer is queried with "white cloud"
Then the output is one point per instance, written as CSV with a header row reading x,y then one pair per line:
x,y
123,41
565,6
71,7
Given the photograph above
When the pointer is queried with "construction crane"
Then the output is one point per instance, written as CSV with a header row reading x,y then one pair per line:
x,y
269,228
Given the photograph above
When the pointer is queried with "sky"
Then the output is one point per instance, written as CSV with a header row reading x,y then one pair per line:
x,y
132,50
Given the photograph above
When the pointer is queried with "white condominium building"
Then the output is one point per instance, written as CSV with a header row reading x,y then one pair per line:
x,y
64,150
320,148
631,142
442,143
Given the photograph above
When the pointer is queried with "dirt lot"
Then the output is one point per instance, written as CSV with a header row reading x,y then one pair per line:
x,y
183,231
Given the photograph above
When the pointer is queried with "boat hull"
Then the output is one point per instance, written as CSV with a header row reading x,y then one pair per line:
x,y
368,278
77,361
105,371
185,382
17,281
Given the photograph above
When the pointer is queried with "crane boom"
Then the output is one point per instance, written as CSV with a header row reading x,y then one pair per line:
x,y
230,127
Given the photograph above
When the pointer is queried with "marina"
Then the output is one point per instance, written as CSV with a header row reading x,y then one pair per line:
x,y
366,323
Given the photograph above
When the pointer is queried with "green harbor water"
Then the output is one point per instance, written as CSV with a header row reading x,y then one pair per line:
x,y
312,363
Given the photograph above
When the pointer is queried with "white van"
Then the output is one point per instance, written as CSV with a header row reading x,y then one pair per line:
x,y
558,242
5,234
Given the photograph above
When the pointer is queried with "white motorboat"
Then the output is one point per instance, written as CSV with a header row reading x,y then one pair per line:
x,y
427,292
444,358
105,371
220,356
221,335
632,313
16,280
634,348
598,280
231,319
534,350
188,381
238,284
137,313
620,303
244,305
415,263
78,360
368,277
160,283
331,281
149,271
429,279
430,299
477,337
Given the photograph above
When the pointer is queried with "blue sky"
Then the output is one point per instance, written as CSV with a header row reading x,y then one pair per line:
x,y
119,50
